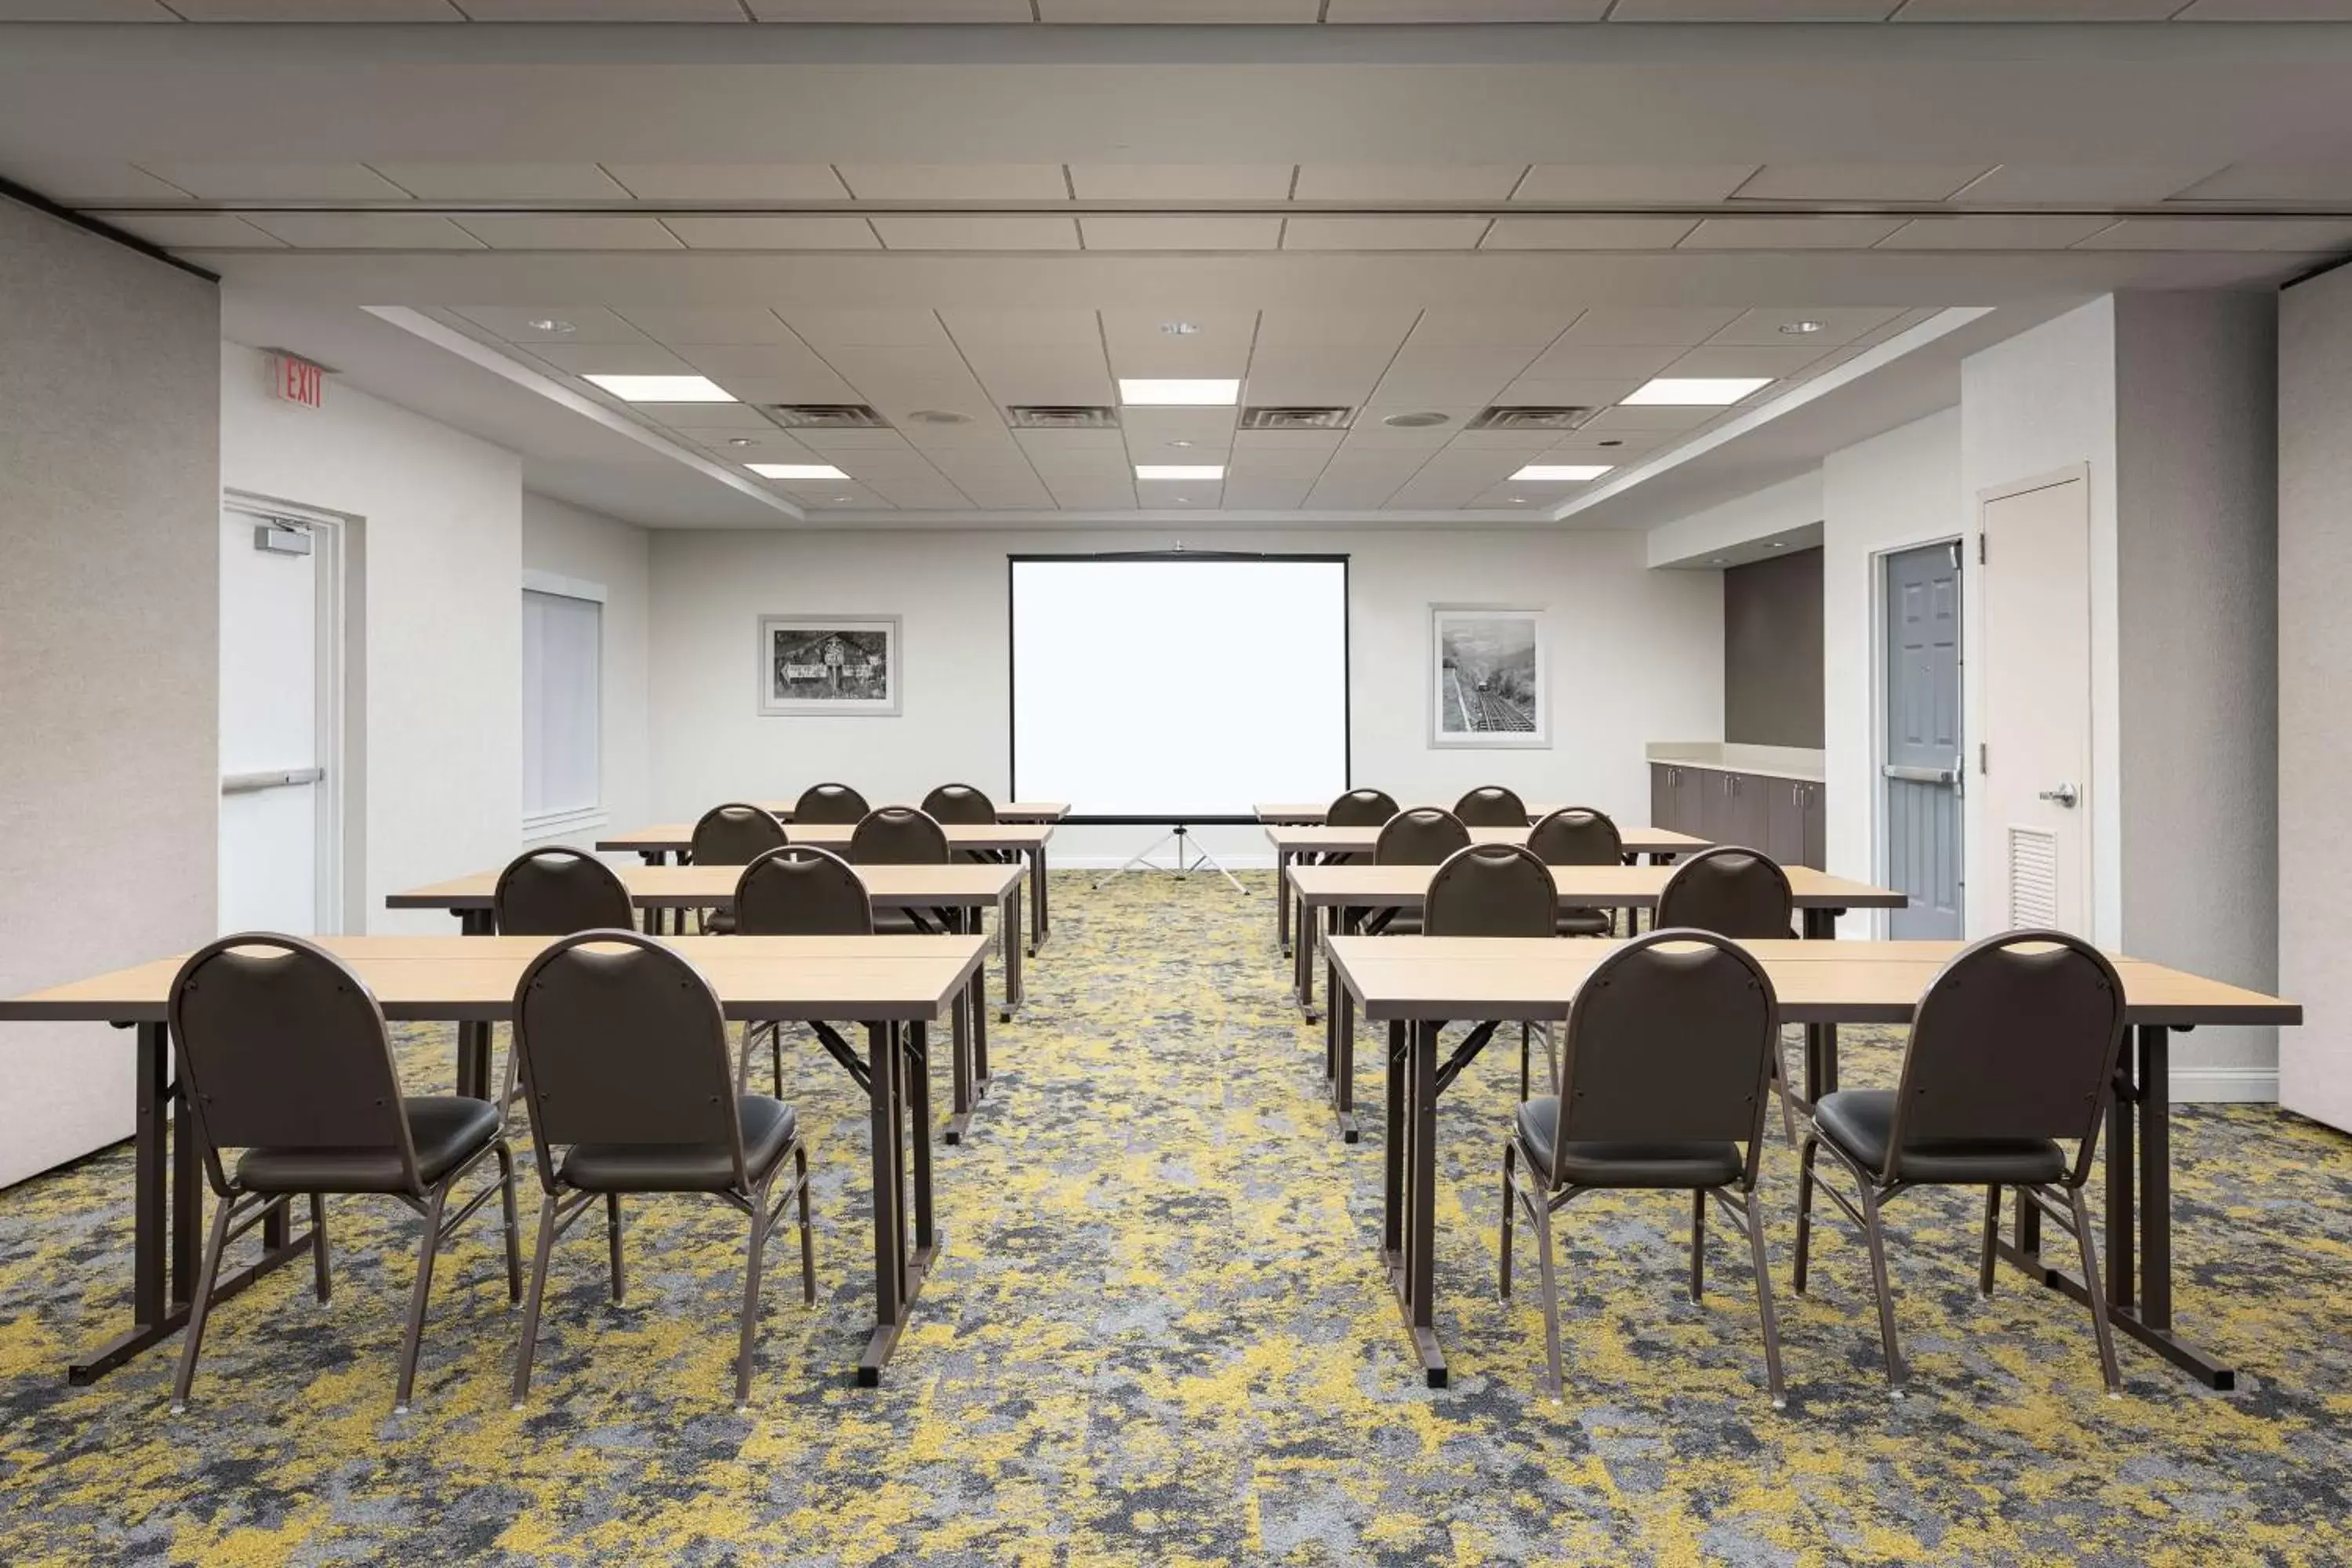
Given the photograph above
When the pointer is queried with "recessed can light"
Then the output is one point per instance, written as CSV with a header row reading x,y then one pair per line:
x,y
740,441
1180,328
841,500
1715,561
555,324
1777,544
1422,421
1800,329
1180,443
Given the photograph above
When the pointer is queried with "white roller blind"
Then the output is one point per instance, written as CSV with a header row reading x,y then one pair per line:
x,y
561,637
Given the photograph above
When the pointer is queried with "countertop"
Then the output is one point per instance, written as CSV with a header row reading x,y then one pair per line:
x,y
1798,762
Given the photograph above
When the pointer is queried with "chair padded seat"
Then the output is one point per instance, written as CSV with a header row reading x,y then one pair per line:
x,y
895,923
1403,922
1698,1165
719,922
446,1129
768,1128
1585,922
1858,1120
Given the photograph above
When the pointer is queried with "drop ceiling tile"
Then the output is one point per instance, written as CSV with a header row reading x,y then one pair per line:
x,y
1753,10
756,446
1778,362
604,10
1760,328
1081,493
193,231
834,495
1371,434
1407,182
319,11
1645,326
504,181
1632,183
1180,182
1547,391
1858,182
1450,328
1405,11
1279,462
1995,231
1170,11
748,232
611,359
703,415
1571,360
1028,494
1314,375
890,10
553,231
2274,182
589,323
1587,233
714,327
1315,233
1046,374
771,362
364,231
1809,232
277,182
2036,10
1206,428
90,183
730,182
1290,327
84,11
1220,349
2054,184
955,181
1614,448
977,232
1024,328
2268,11
866,445
827,330
1249,443
1153,233
982,441
1437,378
2223,234
1265,494
1496,452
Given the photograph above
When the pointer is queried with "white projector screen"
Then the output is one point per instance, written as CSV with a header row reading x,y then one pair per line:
x,y
1178,688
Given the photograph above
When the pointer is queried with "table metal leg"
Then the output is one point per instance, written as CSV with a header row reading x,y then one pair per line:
x,y
1036,858
895,1284
1414,1279
474,1038
919,1107
1339,1055
1282,900
1303,965
1016,988
1393,1154
1821,1039
653,915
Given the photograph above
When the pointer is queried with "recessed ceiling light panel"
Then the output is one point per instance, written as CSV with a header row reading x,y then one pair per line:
x,y
1800,329
796,470
1697,391
1168,392
1571,473
1180,470
662,389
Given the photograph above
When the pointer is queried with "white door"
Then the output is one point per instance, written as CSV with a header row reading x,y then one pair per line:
x,y
275,822
2035,782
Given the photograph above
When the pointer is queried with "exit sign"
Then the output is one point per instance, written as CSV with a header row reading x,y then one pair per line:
x,y
296,380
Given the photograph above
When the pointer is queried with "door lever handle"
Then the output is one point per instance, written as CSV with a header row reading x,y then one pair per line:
x,y
2064,794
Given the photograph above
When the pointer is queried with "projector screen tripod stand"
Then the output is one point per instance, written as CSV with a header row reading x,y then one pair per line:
x,y
1190,857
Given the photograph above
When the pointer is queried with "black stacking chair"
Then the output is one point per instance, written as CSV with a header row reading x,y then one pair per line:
x,y
1739,893
801,891
898,836
830,802
284,1054
2012,1051
556,891
1579,836
1492,889
625,1057
1360,808
1492,806
1662,1072
732,835
960,803
1426,835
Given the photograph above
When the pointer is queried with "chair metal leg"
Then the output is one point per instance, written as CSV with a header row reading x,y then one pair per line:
x,y
547,1208
1764,1310
1780,1089
1988,1256
759,1220
2096,1292
1698,1243
1510,1198
1875,1233
776,1056
1525,1039
322,1284
513,1222
1805,1209
613,1241
808,1245
418,1297
1550,1294
200,1308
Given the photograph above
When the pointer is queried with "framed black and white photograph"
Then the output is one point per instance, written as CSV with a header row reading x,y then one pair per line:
x,y
1488,675
841,665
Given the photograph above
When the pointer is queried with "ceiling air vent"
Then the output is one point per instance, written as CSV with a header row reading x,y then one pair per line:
x,y
1062,416
826,416
1263,418
1529,417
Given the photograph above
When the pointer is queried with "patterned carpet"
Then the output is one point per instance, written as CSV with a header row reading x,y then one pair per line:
x,y
1160,1336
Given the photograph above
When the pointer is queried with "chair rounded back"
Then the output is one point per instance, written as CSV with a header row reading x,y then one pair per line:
x,y
1490,889
621,1041
1360,808
281,1045
802,891
898,836
1577,835
1669,1040
833,803
734,835
558,890
1492,806
960,803
2016,1037
1731,891
1424,835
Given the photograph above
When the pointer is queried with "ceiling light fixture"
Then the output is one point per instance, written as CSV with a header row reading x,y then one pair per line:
x,y
555,324
1420,421
1168,392
1714,561
841,500
796,470
1697,391
1572,473
938,416
1608,443
1180,470
740,441
1180,443
1777,544
1180,328
1800,329
662,389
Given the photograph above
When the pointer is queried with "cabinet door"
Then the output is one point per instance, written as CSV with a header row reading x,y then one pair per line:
x,y
1817,826
1690,801
1749,805
1662,797
1784,821
1714,804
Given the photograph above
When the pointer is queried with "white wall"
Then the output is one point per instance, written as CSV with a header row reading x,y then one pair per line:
x,y
585,546
1636,656
1776,509
440,519
110,654
1889,493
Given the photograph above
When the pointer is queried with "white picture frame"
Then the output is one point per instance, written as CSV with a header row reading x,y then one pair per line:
x,y
830,667
1489,676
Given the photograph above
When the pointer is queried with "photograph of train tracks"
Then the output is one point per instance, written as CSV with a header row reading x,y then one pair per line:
x,y
1489,667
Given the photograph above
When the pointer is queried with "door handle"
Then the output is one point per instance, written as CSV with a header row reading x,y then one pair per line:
x,y
2064,794
1920,776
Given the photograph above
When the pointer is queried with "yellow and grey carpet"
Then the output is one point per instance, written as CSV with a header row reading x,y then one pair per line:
x,y
1160,1336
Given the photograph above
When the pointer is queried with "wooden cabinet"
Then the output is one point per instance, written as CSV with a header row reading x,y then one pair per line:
x,y
1817,828
1786,818
1784,821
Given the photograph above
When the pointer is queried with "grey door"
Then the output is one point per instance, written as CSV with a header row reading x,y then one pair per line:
x,y
1922,768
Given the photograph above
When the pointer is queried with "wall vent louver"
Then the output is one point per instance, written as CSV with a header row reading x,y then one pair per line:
x,y
1529,417
1062,416
825,417
1295,419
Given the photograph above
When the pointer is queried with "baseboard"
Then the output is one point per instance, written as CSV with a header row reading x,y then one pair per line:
x,y
2225,1085
1164,861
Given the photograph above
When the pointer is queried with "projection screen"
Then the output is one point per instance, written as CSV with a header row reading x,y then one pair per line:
x,y
1178,688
